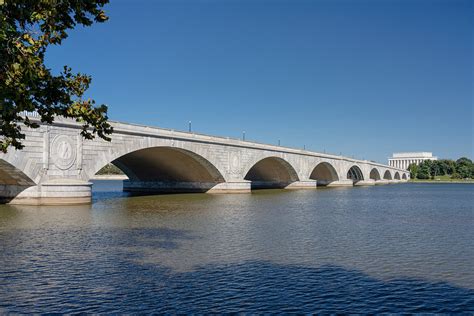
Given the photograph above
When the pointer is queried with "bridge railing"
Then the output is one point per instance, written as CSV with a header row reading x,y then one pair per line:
x,y
35,114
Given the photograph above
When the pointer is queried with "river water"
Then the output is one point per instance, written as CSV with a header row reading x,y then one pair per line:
x,y
393,248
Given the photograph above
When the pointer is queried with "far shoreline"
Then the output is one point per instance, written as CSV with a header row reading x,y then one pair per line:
x,y
109,177
443,181
124,177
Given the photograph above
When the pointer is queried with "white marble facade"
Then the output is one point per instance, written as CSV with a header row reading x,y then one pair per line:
x,y
403,160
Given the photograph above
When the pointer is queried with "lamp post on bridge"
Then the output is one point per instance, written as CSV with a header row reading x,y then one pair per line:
x,y
189,126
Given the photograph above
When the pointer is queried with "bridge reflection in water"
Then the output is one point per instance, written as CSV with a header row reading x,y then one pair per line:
x,y
403,248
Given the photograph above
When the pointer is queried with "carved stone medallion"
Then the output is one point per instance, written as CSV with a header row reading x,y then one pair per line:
x,y
234,163
63,152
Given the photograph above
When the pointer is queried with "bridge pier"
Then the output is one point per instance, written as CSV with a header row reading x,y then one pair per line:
x,y
307,184
339,183
242,186
55,192
365,182
186,187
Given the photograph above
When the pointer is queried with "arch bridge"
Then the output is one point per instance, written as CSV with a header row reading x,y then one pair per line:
x,y
57,163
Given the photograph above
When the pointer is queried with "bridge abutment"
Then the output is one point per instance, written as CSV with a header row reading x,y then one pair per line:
x,y
340,183
306,184
243,186
365,182
58,192
186,187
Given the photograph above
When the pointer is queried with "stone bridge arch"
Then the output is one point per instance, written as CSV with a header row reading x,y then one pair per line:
x,y
374,174
158,153
22,164
271,172
324,173
355,174
168,169
164,165
387,175
167,164
13,181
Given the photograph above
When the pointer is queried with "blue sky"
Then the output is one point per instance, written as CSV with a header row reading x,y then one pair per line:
x,y
361,78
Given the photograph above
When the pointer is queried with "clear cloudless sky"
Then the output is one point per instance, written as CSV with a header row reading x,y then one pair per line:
x,y
364,78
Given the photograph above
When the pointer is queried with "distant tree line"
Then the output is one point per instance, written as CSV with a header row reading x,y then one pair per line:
x,y
109,169
463,168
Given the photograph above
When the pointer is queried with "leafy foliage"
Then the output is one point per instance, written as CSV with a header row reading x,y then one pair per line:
x,y
27,29
424,171
413,168
110,169
463,168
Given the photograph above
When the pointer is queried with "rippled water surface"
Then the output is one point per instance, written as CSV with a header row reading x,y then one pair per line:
x,y
394,248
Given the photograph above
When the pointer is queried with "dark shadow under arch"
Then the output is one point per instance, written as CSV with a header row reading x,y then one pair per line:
x,y
355,174
374,174
404,177
396,176
271,172
167,170
324,173
387,175
12,181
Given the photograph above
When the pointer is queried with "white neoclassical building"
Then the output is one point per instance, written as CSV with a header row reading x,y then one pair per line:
x,y
403,160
